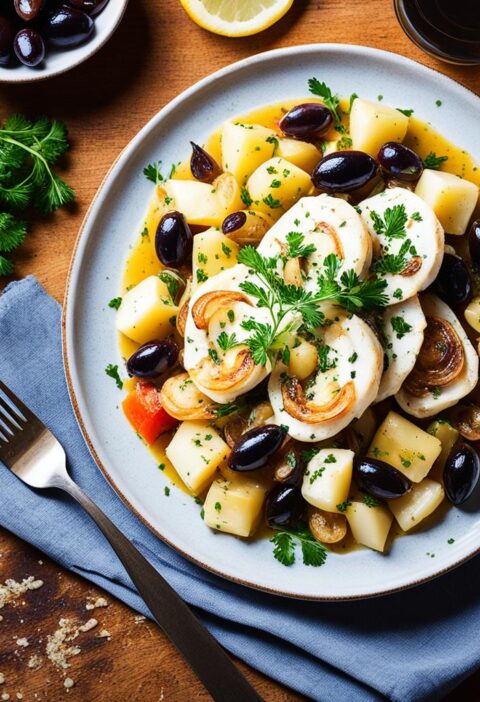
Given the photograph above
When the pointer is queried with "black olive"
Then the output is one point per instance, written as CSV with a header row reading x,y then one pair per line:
x,y
255,447
29,47
453,281
284,506
152,359
233,221
203,166
461,473
400,162
7,35
474,242
380,479
91,7
310,120
29,10
173,239
67,27
344,171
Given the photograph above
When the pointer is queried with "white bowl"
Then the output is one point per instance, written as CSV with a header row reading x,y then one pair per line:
x,y
57,61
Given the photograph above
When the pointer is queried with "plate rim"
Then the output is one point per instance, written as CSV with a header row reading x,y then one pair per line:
x,y
76,258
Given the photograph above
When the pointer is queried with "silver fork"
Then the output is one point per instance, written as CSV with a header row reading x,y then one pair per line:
x,y
35,456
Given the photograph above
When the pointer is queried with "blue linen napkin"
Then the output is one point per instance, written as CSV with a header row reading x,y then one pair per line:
x,y
413,646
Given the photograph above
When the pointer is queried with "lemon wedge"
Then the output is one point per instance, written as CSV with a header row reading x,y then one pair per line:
x,y
236,18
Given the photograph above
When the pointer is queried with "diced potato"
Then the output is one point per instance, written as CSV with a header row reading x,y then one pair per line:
x,y
472,314
300,153
276,185
228,194
195,452
196,201
448,436
146,311
303,359
245,147
404,446
418,504
252,231
369,525
372,124
453,199
327,480
235,505
212,252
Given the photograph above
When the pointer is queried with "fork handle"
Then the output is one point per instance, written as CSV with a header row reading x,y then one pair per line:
x,y
209,661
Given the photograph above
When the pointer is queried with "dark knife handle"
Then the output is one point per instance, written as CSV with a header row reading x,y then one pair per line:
x,y
201,651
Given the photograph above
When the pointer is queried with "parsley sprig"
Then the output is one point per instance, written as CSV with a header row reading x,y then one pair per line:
x,y
393,263
330,100
393,223
313,553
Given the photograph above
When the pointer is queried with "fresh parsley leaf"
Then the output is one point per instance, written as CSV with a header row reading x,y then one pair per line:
x,y
225,410
343,506
284,550
112,372
12,232
313,553
272,202
245,197
393,224
370,501
296,247
329,99
400,326
393,263
324,362
407,113
153,173
172,281
6,266
225,341
433,161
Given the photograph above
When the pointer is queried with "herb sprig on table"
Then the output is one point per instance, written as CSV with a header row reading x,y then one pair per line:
x,y
28,151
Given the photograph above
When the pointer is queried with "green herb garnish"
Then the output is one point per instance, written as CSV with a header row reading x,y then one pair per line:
x,y
433,161
112,372
313,553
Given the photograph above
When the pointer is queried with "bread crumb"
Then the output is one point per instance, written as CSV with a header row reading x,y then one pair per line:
x,y
22,642
35,661
19,696
139,618
5,696
91,624
68,683
57,650
2,678
99,602
103,634
13,589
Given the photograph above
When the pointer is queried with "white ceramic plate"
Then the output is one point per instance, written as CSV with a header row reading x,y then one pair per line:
x,y
90,339
57,61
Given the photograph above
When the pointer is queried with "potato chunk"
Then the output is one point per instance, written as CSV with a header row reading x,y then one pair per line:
x,y
453,199
195,452
300,153
373,124
235,505
276,185
369,525
196,201
472,314
146,311
405,447
416,505
448,436
245,147
212,252
327,480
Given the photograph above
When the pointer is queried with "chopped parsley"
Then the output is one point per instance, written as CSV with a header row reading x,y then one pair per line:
x,y
214,356
343,506
400,326
218,507
153,173
329,99
226,341
201,275
245,197
112,372
330,458
115,303
433,161
407,113
296,247
272,202
313,553
370,501
393,263
393,224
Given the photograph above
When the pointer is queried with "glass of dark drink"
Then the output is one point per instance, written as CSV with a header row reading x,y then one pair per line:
x,y
446,29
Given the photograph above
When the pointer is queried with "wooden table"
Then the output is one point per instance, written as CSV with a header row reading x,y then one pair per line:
x,y
156,53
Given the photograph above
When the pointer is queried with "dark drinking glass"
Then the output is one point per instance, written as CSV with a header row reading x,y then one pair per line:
x,y
446,29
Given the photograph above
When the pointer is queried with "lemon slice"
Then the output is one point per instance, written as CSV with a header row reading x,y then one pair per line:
x,y
236,18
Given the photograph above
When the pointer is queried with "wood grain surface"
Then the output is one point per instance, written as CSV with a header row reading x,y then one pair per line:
x,y
156,53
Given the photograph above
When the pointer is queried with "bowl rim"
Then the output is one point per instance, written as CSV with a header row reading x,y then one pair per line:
x,y
81,241
8,75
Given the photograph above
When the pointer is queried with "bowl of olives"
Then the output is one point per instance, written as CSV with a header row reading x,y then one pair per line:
x,y
42,38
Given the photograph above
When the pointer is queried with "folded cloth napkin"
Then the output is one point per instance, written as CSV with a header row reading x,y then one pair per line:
x,y
408,647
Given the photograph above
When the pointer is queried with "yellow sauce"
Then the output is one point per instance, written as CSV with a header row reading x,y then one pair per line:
x,y
142,260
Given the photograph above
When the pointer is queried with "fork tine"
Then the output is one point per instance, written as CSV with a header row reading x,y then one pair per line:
x,y
18,404
6,419
11,411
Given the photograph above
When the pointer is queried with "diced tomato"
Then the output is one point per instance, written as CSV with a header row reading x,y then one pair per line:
x,y
144,411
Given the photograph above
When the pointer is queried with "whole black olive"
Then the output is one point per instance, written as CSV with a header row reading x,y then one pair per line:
x,y
309,120
7,35
91,7
344,171
461,473
29,47
152,359
255,447
203,166
474,242
67,27
173,239
380,479
453,282
29,10
284,506
400,162
233,221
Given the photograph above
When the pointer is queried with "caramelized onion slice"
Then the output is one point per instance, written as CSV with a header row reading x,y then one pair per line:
x,y
235,368
440,361
208,304
292,272
328,230
466,419
183,400
327,527
412,267
300,408
182,318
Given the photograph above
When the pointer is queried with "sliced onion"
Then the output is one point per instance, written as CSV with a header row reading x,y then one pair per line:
x,y
328,230
412,267
297,406
182,318
181,399
440,361
466,419
236,367
208,304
